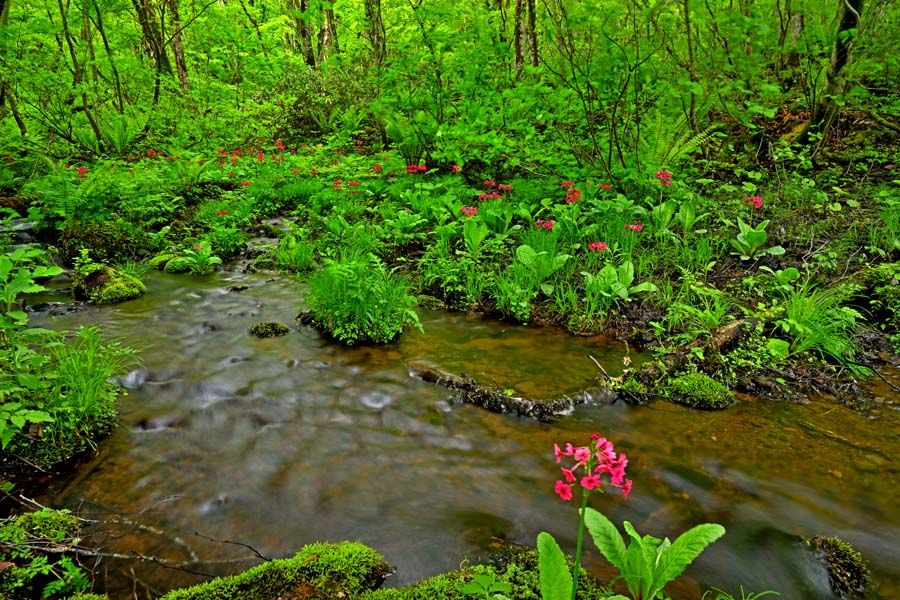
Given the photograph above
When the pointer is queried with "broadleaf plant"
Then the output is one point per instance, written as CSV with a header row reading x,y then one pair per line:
x,y
647,564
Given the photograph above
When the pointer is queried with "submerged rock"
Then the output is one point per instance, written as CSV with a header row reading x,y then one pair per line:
x,y
848,573
497,400
268,329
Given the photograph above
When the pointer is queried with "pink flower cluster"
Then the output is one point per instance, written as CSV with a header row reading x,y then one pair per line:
x,y
377,168
597,246
470,211
539,224
455,169
604,186
416,168
567,184
664,178
490,196
632,227
505,187
756,201
573,195
596,459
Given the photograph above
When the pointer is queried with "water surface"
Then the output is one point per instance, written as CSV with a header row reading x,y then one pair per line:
x,y
278,442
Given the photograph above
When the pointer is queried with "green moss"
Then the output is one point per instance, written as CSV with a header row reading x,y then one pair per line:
x,y
515,565
848,573
179,264
88,597
101,284
268,329
160,261
699,390
633,386
324,571
47,524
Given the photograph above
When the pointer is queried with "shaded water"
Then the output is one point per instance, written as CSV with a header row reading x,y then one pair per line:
x,y
279,442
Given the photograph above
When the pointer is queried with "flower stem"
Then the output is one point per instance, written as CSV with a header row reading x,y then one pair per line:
x,y
584,498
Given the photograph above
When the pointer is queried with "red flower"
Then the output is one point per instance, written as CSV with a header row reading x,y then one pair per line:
x,y
295,171
261,157
353,183
604,186
8,158
219,213
338,182
377,168
490,182
82,171
232,174
455,169
245,183
567,184
313,172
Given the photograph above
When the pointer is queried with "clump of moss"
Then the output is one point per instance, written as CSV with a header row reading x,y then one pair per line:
x,y
324,571
848,573
178,264
268,329
160,261
102,284
699,390
515,565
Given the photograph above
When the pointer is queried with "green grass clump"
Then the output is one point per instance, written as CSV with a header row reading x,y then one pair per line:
x,y
699,390
320,570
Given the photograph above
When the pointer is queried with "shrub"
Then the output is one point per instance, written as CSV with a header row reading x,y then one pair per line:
x,y
268,329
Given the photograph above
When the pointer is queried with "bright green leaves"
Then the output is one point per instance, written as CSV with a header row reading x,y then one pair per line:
x,y
647,564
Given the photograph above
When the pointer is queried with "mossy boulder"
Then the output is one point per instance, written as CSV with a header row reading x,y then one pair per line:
x,y
268,329
102,284
699,390
160,261
177,264
324,571
848,573
514,565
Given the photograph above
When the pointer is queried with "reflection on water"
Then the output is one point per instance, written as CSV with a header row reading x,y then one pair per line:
x,y
283,441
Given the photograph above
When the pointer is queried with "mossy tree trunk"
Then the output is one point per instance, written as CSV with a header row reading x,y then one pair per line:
x,y
827,104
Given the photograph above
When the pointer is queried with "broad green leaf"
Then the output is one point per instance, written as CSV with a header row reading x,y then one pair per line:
x,y
606,537
684,550
556,581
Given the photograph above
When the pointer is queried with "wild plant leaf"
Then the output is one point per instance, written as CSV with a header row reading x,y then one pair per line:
x,y
684,550
556,581
606,537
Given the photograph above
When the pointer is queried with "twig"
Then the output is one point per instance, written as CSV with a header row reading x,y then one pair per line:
x,y
599,366
248,546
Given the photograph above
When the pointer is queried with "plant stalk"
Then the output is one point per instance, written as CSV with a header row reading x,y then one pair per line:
x,y
584,498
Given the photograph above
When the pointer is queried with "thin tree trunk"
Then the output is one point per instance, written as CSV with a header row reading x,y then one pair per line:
x,y
177,47
519,41
328,40
691,66
78,75
826,108
154,44
98,23
375,32
10,99
304,32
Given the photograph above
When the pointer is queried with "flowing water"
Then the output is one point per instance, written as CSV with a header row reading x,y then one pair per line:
x,y
278,442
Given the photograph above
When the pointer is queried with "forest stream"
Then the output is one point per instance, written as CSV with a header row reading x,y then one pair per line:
x,y
278,442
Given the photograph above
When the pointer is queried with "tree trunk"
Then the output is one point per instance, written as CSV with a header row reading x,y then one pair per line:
x,y
525,38
328,40
177,47
304,31
375,33
826,108
148,16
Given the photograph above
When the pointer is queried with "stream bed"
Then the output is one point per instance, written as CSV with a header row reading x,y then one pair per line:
x,y
278,442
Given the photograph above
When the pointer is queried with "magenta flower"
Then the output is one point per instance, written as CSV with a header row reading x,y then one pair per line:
x,y
631,227
597,246
756,201
564,490
595,460
567,184
455,169
469,211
